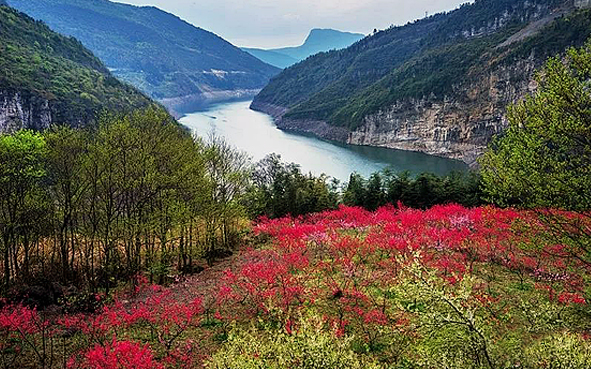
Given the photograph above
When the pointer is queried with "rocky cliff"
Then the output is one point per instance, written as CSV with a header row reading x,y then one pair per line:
x,y
441,93
458,127
48,78
18,111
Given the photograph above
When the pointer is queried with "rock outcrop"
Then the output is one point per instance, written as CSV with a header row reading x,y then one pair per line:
x,y
47,78
459,127
19,111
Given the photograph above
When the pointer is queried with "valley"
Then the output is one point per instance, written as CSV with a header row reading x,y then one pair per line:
x,y
256,134
167,58
439,85
412,197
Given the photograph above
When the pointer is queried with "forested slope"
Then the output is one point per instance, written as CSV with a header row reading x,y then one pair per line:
x,y
47,78
156,51
438,85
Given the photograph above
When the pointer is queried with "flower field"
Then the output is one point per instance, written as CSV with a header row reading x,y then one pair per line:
x,y
448,287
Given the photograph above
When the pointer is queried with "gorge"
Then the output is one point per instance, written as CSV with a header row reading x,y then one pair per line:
x,y
440,85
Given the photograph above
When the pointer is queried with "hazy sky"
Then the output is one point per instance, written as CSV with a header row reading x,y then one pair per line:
x,y
273,23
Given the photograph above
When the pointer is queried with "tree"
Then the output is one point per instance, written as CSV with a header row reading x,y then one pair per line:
x,y
280,189
227,173
543,160
22,168
66,149
375,194
355,192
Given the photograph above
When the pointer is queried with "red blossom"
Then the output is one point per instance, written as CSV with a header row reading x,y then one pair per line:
x,y
116,355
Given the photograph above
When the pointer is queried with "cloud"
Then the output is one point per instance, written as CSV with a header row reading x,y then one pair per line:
x,y
271,23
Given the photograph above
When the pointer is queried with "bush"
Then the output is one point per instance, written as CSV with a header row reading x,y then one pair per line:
x,y
560,351
310,346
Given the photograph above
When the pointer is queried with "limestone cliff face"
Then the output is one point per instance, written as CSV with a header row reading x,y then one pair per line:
x,y
458,128
18,110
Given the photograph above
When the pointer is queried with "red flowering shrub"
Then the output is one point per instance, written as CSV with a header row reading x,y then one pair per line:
x,y
21,328
348,263
116,355
448,283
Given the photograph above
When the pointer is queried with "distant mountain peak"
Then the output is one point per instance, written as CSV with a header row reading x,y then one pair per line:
x,y
318,40
321,31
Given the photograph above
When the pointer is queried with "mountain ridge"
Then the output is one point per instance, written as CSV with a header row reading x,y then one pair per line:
x,y
158,52
47,78
439,85
318,40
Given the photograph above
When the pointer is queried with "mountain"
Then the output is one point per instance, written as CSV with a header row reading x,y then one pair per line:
x,y
164,56
439,85
272,57
319,40
47,78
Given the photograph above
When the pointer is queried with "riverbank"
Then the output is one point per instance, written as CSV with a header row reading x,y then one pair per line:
x,y
256,134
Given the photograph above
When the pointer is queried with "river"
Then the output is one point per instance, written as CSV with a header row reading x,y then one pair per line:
x,y
255,134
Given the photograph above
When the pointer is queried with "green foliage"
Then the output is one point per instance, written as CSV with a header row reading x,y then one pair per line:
x,y
544,158
309,346
456,331
281,189
22,200
136,193
423,191
227,179
41,65
431,59
559,351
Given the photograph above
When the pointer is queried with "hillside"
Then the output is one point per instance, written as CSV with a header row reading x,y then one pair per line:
x,y
164,56
398,288
319,40
439,85
48,78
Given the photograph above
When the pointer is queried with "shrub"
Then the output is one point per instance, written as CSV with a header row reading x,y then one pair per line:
x,y
560,351
117,355
309,346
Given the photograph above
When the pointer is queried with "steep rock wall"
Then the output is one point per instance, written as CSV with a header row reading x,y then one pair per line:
x,y
20,110
458,128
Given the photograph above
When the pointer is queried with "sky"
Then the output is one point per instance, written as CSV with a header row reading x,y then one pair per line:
x,y
278,23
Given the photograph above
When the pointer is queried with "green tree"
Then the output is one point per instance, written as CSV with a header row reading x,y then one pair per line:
x,y
227,174
543,160
67,148
355,193
398,186
279,189
22,168
375,194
